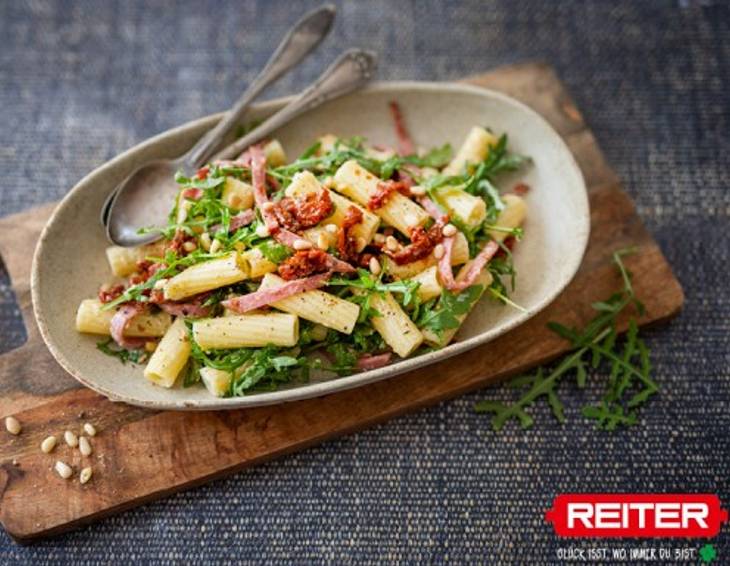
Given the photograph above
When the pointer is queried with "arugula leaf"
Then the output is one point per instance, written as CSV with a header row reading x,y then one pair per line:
x,y
365,280
436,158
273,251
210,182
109,347
596,344
451,306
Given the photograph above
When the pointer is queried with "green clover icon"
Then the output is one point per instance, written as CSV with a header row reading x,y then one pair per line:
x,y
708,553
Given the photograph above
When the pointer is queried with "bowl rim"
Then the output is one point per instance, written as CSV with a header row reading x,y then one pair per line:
x,y
334,385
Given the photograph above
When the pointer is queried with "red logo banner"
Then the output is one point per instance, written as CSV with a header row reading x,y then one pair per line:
x,y
637,515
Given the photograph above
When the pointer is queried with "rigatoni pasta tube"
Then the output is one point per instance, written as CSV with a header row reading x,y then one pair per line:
x,y
275,154
512,216
171,355
208,275
399,211
91,319
216,381
467,208
123,261
434,339
474,149
316,306
236,194
327,143
258,264
304,183
429,285
459,255
394,325
247,331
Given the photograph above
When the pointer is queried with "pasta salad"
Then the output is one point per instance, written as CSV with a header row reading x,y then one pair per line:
x,y
346,259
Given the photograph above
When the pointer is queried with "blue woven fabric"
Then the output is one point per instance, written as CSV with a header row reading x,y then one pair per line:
x,y
82,81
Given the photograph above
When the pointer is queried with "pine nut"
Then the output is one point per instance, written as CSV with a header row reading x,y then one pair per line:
x,y
391,243
205,241
150,346
48,445
71,439
418,191
323,242
84,446
379,239
438,251
300,245
374,266
190,246
215,246
12,425
331,228
90,429
63,469
85,475
262,231
449,230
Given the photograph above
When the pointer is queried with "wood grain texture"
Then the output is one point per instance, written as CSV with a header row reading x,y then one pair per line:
x,y
140,455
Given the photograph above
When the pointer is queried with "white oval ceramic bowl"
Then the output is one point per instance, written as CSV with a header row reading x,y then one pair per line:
x,y
70,263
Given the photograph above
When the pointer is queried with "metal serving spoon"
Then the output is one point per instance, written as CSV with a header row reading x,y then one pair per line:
x,y
140,200
139,207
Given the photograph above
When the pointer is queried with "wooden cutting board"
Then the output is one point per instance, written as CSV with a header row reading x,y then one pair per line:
x,y
140,455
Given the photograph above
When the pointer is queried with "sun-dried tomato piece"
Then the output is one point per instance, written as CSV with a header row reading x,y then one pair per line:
x,y
108,294
305,263
346,241
145,270
521,189
422,243
384,191
509,243
299,214
176,244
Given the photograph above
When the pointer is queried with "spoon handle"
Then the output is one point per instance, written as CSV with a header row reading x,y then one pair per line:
x,y
349,72
301,39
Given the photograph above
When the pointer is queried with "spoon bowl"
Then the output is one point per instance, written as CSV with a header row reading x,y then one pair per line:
x,y
145,199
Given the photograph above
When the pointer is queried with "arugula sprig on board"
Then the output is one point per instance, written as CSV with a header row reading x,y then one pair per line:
x,y
629,384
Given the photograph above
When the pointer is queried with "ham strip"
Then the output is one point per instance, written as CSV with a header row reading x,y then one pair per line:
x,y
368,361
468,277
405,144
265,297
338,265
241,219
286,237
121,320
258,178
433,210
193,309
